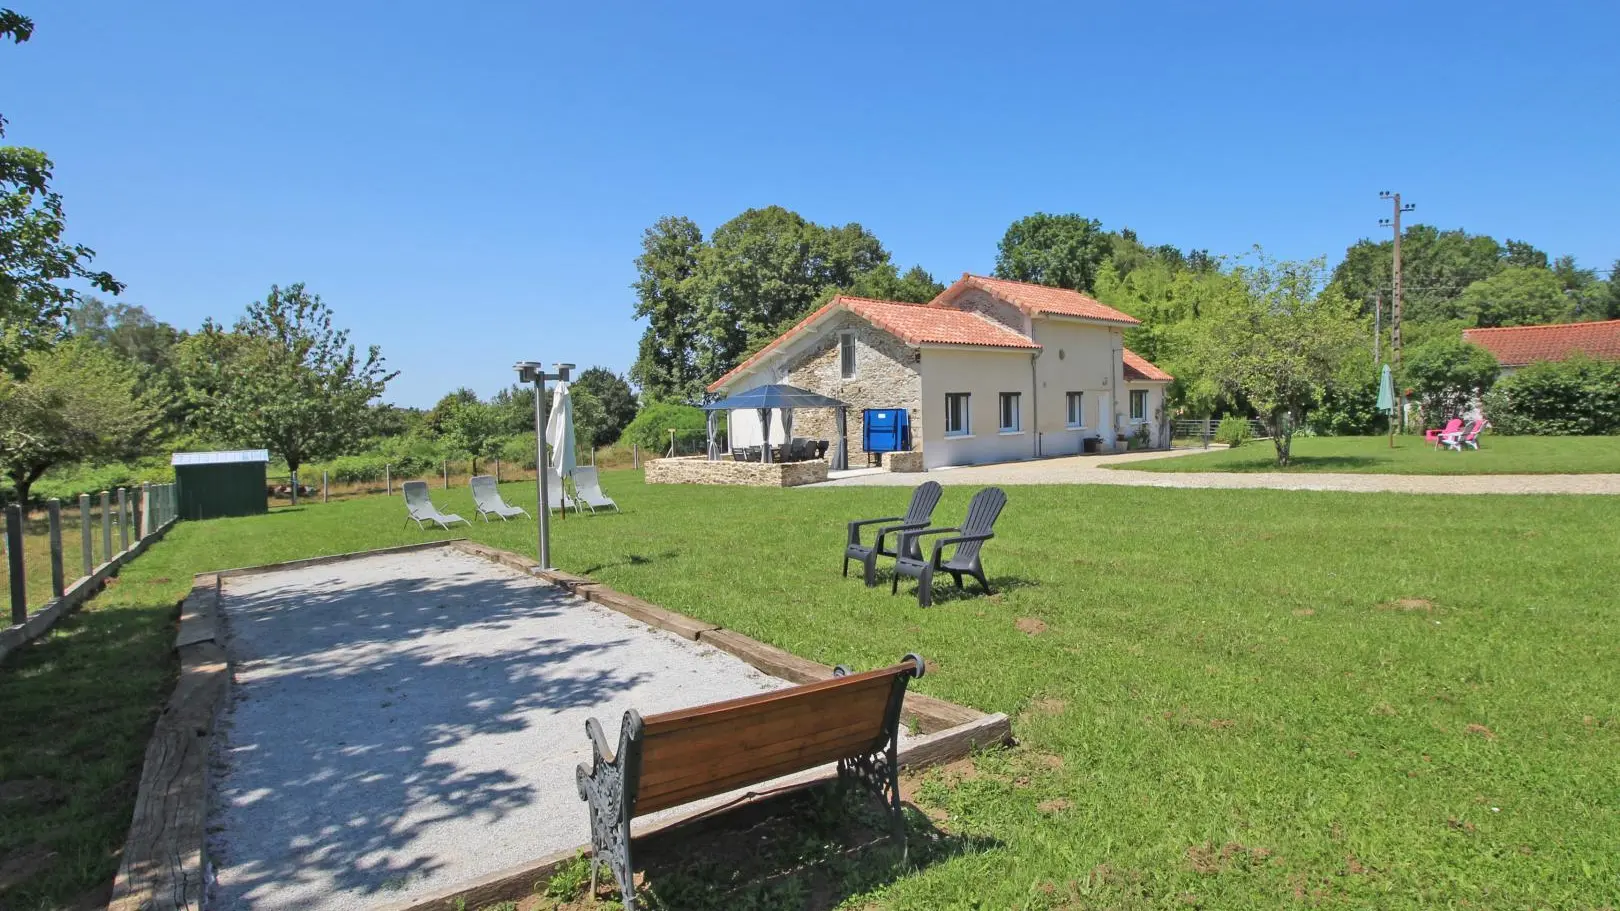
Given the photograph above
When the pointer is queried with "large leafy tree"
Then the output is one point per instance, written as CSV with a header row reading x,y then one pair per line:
x,y
709,303
1281,343
77,400
1435,266
1515,296
763,270
616,400
1064,251
667,297
34,257
1448,375
284,378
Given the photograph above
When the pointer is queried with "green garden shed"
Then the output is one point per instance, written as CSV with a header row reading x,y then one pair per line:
x,y
213,484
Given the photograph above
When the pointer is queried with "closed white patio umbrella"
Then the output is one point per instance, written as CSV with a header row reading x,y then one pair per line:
x,y
560,431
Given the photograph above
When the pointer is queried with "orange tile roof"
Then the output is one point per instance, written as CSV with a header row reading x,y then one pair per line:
x,y
1037,300
914,324
1139,369
1515,346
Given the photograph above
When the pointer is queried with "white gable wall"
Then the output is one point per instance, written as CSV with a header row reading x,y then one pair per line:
x,y
1076,357
984,374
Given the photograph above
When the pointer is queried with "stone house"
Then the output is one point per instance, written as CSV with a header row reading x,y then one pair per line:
x,y
990,371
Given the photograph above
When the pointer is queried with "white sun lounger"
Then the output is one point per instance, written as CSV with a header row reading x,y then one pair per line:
x,y
589,490
487,500
420,508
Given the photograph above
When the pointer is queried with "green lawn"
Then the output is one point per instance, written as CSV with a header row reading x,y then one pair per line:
x,y
1372,455
1232,699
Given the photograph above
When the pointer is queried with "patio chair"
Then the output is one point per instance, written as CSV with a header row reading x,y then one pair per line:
x,y
588,490
1433,435
419,507
487,500
751,453
966,541
918,515
802,449
1456,441
821,448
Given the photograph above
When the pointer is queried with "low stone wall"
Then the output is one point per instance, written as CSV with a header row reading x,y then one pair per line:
x,y
903,461
699,470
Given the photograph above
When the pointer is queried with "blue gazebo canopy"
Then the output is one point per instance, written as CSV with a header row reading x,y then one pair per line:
x,y
775,395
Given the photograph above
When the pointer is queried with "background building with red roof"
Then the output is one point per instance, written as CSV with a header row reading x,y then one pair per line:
x,y
990,370
1519,346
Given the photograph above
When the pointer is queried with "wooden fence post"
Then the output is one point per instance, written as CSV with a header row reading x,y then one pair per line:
x,y
635,456
106,526
497,471
14,555
146,509
84,534
123,519
446,465
388,479
326,487
58,584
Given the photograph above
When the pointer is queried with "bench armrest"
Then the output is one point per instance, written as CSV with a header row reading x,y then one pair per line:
x,y
856,526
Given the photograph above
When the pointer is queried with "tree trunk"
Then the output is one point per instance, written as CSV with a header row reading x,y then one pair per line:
x,y
1282,436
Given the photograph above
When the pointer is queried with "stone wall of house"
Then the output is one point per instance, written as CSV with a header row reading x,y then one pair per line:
x,y
887,375
699,470
975,300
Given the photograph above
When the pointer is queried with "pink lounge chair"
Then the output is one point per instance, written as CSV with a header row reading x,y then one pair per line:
x,y
1434,436
1459,439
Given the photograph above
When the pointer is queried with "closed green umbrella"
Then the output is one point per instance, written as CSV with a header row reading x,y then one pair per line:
x,y
1386,401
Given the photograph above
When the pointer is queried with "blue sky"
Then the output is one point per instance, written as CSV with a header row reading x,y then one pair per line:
x,y
466,184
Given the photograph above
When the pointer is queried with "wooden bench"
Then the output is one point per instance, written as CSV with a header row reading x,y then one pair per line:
x,y
679,757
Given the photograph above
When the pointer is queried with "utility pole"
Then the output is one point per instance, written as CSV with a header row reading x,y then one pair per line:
x,y
1378,324
1394,222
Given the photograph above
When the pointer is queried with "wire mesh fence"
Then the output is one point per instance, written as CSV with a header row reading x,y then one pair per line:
x,y
48,550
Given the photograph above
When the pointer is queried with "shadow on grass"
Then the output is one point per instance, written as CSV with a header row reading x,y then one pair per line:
x,y
1328,463
812,850
631,560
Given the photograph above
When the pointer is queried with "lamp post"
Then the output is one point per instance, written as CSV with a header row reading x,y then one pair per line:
x,y
534,372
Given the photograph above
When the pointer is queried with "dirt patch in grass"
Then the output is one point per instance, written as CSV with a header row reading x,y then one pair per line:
x,y
1055,805
1304,612
30,792
1207,859
19,866
1030,626
1480,730
1047,705
1409,605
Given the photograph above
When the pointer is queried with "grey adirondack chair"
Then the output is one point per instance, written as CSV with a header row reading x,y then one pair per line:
x,y
918,515
487,500
966,541
419,507
588,490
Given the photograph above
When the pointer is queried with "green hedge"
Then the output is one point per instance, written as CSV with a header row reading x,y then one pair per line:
x,y
1233,431
650,429
1579,396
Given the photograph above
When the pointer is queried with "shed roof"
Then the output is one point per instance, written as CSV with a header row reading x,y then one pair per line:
x,y
228,457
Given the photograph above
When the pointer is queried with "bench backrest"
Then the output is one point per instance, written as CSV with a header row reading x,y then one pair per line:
x,y
983,509
923,501
699,752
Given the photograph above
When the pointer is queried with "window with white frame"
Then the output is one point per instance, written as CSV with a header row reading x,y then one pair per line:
x,y
846,354
1139,405
958,420
1009,412
1077,412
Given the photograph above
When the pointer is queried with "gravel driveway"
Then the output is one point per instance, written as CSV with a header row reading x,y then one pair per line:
x,y
1090,470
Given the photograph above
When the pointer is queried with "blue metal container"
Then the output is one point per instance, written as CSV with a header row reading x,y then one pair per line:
x,y
886,430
